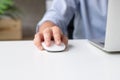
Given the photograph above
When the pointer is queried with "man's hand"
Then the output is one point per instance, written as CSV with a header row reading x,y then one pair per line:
x,y
47,32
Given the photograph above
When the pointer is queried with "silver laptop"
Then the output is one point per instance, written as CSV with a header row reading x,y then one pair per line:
x,y
111,43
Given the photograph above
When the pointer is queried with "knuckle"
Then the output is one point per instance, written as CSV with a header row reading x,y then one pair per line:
x,y
47,30
57,36
47,38
55,29
36,35
47,35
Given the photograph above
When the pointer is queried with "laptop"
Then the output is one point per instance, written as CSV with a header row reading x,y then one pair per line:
x,y
111,43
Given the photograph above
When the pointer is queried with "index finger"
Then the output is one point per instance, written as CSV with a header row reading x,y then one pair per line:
x,y
37,40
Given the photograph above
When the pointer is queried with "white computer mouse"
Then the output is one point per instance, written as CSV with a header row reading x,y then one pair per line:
x,y
54,47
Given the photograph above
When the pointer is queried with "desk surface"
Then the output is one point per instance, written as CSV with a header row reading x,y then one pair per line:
x,y
21,60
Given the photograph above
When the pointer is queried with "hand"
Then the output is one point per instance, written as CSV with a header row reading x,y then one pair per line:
x,y
47,34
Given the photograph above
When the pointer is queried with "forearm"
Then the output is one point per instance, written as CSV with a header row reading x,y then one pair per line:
x,y
60,14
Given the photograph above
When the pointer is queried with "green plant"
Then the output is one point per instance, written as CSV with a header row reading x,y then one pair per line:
x,y
7,8
5,5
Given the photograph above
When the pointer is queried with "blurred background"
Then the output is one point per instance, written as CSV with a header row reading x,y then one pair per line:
x,y
18,18
31,12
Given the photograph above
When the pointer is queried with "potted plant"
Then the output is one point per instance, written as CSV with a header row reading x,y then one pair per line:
x,y
10,23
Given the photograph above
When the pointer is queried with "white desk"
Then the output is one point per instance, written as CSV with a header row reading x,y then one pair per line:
x,y
21,60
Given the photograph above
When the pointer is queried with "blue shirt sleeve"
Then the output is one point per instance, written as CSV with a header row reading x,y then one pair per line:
x,y
60,13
